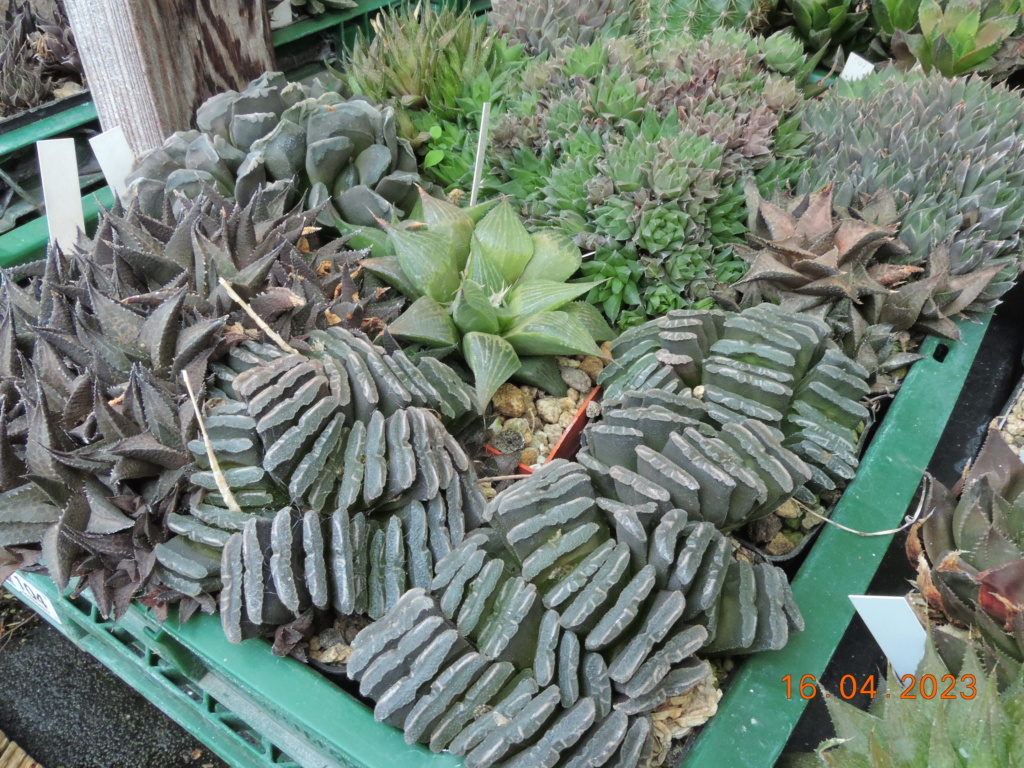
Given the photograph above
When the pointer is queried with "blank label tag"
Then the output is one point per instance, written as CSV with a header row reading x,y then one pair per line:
x,y
856,68
62,195
115,157
895,628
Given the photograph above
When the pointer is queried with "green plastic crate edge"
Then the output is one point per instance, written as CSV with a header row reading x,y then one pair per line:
x,y
754,718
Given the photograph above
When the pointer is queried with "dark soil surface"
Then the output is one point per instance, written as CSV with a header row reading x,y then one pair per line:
x,y
67,710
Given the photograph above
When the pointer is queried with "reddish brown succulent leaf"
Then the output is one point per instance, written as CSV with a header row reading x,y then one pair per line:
x,y
1002,591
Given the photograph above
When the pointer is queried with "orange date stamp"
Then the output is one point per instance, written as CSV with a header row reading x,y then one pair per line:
x,y
928,687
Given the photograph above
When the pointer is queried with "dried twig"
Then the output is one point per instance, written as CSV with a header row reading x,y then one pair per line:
x,y
218,476
274,335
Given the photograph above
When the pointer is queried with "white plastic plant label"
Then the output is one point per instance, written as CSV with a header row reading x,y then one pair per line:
x,y
62,196
856,68
895,628
18,583
115,158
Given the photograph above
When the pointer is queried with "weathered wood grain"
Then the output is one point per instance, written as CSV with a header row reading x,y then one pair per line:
x,y
150,63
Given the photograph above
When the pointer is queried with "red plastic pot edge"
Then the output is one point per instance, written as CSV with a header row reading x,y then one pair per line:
x,y
569,443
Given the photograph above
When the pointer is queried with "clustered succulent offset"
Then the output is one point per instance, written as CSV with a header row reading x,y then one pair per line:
x,y
95,346
308,144
661,19
547,27
492,291
969,558
427,59
437,68
659,140
950,152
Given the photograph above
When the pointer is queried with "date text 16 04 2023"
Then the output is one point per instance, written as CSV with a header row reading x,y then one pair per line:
x,y
927,687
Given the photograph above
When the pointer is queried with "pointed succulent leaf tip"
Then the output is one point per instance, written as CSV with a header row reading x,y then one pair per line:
x,y
504,241
472,309
483,270
454,223
426,322
493,361
429,261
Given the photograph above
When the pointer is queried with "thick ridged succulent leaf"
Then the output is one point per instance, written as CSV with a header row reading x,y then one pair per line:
x,y
764,365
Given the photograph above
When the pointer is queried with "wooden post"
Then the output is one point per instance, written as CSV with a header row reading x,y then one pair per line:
x,y
151,63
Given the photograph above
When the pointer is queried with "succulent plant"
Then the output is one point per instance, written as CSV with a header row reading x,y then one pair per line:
x,y
491,290
968,554
638,155
950,152
954,37
430,681
96,344
765,364
314,147
918,731
827,23
847,268
330,483
548,27
663,19
38,57
597,600
427,59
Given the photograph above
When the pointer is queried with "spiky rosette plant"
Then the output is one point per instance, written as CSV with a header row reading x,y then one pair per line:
x,y
922,731
95,347
427,59
765,364
831,24
848,268
949,150
663,19
493,292
548,27
311,146
969,558
38,57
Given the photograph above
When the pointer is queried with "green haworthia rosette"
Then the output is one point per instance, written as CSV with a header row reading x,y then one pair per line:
x,y
953,37
927,730
506,304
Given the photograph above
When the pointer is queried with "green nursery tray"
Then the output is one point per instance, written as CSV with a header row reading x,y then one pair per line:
x,y
254,709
